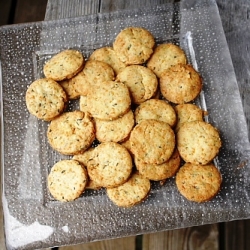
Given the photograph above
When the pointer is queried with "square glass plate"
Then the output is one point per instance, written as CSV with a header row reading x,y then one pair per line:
x,y
32,218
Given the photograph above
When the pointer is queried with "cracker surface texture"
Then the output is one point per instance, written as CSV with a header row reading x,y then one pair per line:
x,y
198,183
64,65
109,56
110,165
109,101
198,142
141,82
115,130
158,172
180,84
71,133
188,112
152,141
92,76
156,109
165,56
132,192
67,180
45,99
134,45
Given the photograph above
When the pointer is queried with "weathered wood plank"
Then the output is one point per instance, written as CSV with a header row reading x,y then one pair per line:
x,y
235,235
5,7
30,11
127,243
113,5
57,9
202,237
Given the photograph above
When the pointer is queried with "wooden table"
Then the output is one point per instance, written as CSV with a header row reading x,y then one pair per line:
x,y
236,22
235,17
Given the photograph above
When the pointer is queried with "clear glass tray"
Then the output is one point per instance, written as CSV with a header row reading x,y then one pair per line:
x,y
32,218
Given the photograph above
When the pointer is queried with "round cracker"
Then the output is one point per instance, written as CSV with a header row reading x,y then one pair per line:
x,y
93,74
180,84
83,104
198,183
109,56
187,112
110,164
134,45
141,82
109,101
158,172
156,109
64,65
164,57
116,130
45,99
83,158
198,142
69,86
152,141
132,192
67,180
71,133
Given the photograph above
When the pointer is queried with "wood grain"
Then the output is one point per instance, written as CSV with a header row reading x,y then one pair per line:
x,y
235,235
127,243
29,10
58,9
113,5
201,237
6,15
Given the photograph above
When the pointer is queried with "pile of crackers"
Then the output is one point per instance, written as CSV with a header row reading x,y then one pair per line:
x,y
136,99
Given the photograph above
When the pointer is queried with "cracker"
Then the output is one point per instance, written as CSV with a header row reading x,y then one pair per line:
x,y
64,65
109,56
198,183
83,104
71,133
45,99
93,74
83,158
159,172
69,86
141,81
110,164
156,109
152,141
134,45
132,192
126,143
180,84
109,101
188,112
116,130
198,142
67,180
164,57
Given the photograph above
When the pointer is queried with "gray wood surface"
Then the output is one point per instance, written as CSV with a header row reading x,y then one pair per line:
x,y
235,16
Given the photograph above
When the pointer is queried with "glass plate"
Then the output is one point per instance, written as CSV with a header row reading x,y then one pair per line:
x,y
32,218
